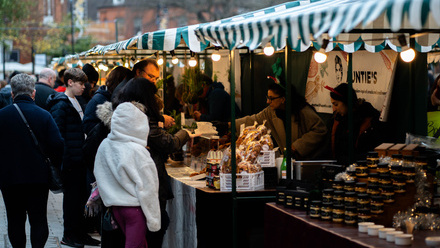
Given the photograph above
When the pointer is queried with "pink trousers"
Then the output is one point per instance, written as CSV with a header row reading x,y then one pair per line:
x,y
133,223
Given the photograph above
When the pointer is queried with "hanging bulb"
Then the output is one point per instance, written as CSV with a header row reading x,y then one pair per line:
x,y
160,61
320,57
408,55
192,62
215,56
268,49
175,60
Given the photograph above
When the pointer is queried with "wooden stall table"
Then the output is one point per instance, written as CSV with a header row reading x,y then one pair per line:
x,y
202,217
285,227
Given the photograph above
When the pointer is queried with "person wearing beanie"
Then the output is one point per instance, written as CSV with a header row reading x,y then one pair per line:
x,y
93,77
367,129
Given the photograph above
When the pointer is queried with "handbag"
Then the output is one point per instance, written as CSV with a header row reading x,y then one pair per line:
x,y
108,222
55,182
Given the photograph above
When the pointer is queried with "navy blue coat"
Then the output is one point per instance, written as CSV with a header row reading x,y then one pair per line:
x,y
22,161
90,118
219,104
69,122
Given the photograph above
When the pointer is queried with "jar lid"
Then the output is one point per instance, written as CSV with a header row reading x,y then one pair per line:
x,y
399,156
387,188
376,198
373,175
363,196
327,204
396,166
350,183
316,202
361,184
373,154
338,206
361,162
373,186
384,176
328,191
364,211
382,165
351,209
339,192
351,194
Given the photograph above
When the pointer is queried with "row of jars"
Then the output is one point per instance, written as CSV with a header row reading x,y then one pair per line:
x,y
350,215
383,171
375,185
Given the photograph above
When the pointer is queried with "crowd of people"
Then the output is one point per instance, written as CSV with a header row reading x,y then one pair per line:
x,y
115,136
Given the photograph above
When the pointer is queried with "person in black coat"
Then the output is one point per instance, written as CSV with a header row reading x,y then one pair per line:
x,y
44,87
368,131
68,115
24,175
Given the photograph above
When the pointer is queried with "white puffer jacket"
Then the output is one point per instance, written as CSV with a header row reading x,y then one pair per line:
x,y
124,170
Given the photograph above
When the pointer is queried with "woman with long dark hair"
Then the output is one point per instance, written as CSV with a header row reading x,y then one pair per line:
x,y
308,131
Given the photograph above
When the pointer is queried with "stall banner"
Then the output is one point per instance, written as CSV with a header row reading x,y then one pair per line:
x,y
373,74
434,124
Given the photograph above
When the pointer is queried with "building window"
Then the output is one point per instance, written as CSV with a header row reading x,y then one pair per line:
x,y
118,2
137,25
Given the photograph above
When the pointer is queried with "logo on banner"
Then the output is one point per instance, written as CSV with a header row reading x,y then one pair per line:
x,y
373,74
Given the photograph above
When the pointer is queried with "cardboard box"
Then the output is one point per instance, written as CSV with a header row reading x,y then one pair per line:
x,y
383,148
411,149
395,149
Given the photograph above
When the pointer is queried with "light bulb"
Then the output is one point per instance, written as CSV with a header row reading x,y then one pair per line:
x,y
269,50
216,56
126,64
175,60
408,55
101,67
320,57
192,62
160,61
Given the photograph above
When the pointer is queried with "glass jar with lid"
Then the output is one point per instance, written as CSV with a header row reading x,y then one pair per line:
x,y
350,199
338,197
363,201
326,211
364,215
361,169
388,194
373,190
349,186
373,179
360,187
372,160
338,213
377,205
350,216
399,184
327,195
382,168
315,209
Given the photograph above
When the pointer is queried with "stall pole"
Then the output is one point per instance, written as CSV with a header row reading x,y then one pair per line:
x,y
288,126
116,30
164,77
412,86
233,165
350,107
72,28
252,98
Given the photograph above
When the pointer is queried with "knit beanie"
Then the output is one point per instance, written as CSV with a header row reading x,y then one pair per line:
x,y
91,73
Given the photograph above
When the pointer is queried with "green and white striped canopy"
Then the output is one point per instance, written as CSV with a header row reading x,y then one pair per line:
x,y
307,23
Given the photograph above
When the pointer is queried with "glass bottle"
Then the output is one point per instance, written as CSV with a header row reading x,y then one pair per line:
x,y
283,168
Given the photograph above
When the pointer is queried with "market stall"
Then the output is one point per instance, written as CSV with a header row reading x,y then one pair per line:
x,y
353,29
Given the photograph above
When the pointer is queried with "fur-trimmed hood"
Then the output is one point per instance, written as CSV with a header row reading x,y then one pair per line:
x,y
105,112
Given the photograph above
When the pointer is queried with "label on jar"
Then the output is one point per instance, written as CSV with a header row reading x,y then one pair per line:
x,y
399,187
364,218
298,202
388,197
306,203
315,212
326,214
327,199
281,196
350,202
338,215
376,208
361,171
289,200
350,218
372,162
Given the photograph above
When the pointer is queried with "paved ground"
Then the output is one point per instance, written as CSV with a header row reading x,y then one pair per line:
x,y
54,217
